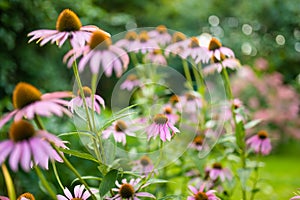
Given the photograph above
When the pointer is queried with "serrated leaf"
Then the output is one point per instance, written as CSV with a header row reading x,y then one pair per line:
x,y
108,182
79,154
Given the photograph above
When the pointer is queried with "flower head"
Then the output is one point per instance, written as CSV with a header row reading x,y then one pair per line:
x,y
218,65
161,35
260,143
78,101
119,129
25,145
144,43
217,171
144,166
130,82
196,52
26,196
191,102
197,143
29,101
161,126
201,194
179,43
217,51
128,42
68,26
100,52
172,117
156,57
129,191
79,193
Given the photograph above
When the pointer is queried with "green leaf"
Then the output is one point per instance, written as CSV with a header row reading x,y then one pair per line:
x,y
79,154
153,181
252,123
179,197
108,182
87,178
84,133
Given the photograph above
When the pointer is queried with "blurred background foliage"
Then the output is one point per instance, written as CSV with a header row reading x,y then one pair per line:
x,y
255,29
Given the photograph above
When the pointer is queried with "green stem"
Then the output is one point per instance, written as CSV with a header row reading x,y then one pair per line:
x,y
45,183
9,183
187,74
75,172
134,58
39,122
256,175
77,77
57,176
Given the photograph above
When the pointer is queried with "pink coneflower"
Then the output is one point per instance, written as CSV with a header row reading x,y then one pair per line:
x,y
99,52
26,196
196,52
197,143
217,171
161,35
130,82
128,42
29,101
260,143
172,117
78,101
4,198
161,126
144,166
295,197
156,57
191,102
144,44
129,191
201,194
68,26
179,43
26,144
217,51
119,129
218,65
78,193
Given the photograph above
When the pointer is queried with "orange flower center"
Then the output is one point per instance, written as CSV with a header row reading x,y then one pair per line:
x,y
160,119
126,191
201,196
215,60
131,77
174,99
214,44
76,199
145,161
217,166
25,94
131,35
68,21
87,92
198,140
177,37
262,134
100,38
157,51
26,195
144,37
194,43
21,130
168,110
120,126
161,29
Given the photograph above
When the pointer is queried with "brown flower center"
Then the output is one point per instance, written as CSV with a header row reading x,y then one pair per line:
x,y
161,29
21,130
145,161
214,44
68,21
120,126
26,195
194,43
168,110
198,140
262,134
126,191
201,196
177,37
160,119
131,77
215,60
25,94
174,99
76,199
87,92
131,35
144,37
190,97
100,38
217,166
157,51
